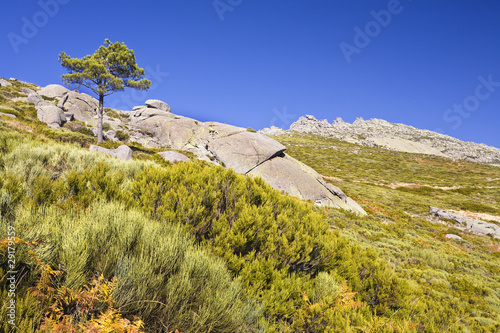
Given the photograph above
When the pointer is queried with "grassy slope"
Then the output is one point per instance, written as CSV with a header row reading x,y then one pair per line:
x,y
467,270
271,242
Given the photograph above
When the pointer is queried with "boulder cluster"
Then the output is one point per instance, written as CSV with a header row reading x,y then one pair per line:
x,y
464,223
155,126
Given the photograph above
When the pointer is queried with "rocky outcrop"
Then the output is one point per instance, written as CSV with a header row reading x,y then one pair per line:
x,y
173,156
466,223
123,152
53,91
398,137
245,152
50,114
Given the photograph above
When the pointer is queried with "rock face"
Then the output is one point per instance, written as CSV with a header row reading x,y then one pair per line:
x,y
295,178
466,223
53,91
51,115
82,106
399,137
173,156
245,150
123,152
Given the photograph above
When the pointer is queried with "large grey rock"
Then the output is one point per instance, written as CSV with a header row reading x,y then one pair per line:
x,y
157,104
53,91
82,106
51,115
4,83
173,156
293,177
33,98
123,152
245,150
466,223
27,91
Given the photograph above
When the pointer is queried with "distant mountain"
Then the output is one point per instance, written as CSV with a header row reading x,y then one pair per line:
x,y
399,137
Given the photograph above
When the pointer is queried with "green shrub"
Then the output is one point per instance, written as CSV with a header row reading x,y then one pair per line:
x,y
162,276
106,127
122,136
111,113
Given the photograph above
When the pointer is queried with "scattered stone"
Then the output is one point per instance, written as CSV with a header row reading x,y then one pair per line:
x,y
123,152
8,115
27,91
53,91
157,104
452,236
173,156
4,83
466,223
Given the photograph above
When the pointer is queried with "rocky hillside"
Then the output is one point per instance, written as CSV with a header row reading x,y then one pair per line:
x,y
399,137
225,250
153,125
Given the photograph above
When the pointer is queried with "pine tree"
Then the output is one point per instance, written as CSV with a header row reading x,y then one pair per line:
x,y
111,68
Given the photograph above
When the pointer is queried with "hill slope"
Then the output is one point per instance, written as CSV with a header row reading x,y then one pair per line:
x,y
149,245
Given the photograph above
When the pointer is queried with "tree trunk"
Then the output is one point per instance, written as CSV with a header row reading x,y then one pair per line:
x,y
100,136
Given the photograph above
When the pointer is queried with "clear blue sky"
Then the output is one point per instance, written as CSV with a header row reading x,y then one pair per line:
x,y
258,63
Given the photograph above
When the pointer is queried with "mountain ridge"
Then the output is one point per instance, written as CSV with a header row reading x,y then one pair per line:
x,y
394,136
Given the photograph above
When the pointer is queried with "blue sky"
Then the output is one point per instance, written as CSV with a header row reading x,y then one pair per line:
x,y
430,64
